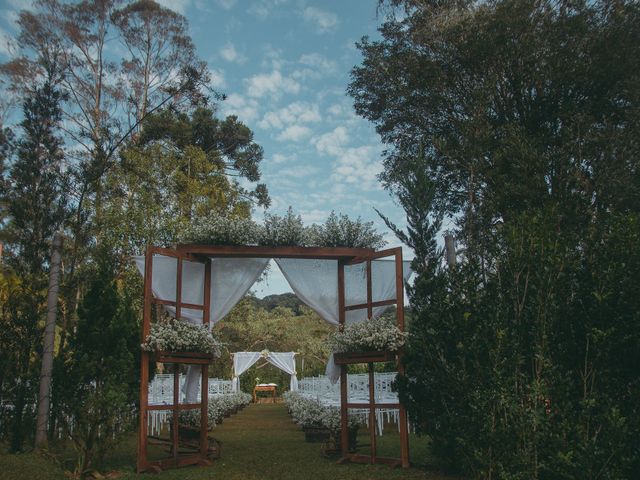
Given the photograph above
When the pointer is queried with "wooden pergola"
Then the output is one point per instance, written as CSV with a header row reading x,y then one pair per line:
x,y
203,254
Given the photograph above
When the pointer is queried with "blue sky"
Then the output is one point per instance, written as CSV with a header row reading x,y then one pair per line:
x,y
284,65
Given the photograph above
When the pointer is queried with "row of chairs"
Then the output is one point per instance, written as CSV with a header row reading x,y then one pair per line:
x,y
328,394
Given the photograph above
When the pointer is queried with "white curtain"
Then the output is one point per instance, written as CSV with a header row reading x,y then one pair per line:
x,y
231,278
383,287
315,282
285,361
242,361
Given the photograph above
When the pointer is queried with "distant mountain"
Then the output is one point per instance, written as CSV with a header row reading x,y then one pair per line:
x,y
286,300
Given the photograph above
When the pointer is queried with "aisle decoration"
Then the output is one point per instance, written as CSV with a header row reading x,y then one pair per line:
x,y
218,408
319,422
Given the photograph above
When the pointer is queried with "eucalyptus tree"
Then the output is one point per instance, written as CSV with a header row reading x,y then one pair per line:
x,y
107,97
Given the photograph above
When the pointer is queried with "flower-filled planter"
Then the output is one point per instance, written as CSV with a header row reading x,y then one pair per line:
x,y
373,340
316,434
182,341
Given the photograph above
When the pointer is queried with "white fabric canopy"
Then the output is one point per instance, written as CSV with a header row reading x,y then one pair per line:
x,y
314,281
285,361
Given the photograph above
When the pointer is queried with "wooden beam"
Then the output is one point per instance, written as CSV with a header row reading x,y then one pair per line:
x,y
362,306
328,253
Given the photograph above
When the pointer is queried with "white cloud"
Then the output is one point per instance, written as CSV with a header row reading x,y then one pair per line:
x,y
217,78
263,8
271,84
315,66
314,216
318,61
294,133
230,54
354,166
226,4
179,6
279,158
358,165
245,108
296,112
322,20
332,143
299,171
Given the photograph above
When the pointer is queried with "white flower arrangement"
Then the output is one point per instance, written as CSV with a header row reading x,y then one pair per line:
x,y
376,334
180,336
287,231
217,408
309,412
216,229
337,231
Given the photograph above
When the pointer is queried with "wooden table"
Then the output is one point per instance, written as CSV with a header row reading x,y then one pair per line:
x,y
265,387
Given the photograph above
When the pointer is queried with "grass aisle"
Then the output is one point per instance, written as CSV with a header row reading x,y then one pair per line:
x,y
259,443
262,443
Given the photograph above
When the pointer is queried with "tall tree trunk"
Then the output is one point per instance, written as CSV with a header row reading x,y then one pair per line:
x,y
49,343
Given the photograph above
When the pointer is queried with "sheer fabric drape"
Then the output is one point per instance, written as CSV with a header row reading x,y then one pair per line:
x,y
242,361
315,282
231,279
285,361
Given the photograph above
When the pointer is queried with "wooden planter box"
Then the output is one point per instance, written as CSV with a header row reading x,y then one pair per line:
x,y
195,358
189,439
347,358
316,434
353,440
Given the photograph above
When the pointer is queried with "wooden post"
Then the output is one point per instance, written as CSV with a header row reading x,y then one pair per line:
x,y
372,413
144,362
404,428
344,391
450,248
204,393
49,341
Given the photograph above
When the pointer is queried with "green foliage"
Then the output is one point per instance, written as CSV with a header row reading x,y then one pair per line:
x,y
341,231
251,327
33,198
35,195
283,231
520,362
98,382
337,231
216,229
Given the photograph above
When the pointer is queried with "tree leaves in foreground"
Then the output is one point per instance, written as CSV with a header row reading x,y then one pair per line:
x,y
524,116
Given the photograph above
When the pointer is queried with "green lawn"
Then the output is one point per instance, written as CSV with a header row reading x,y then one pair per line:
x,y
261,442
